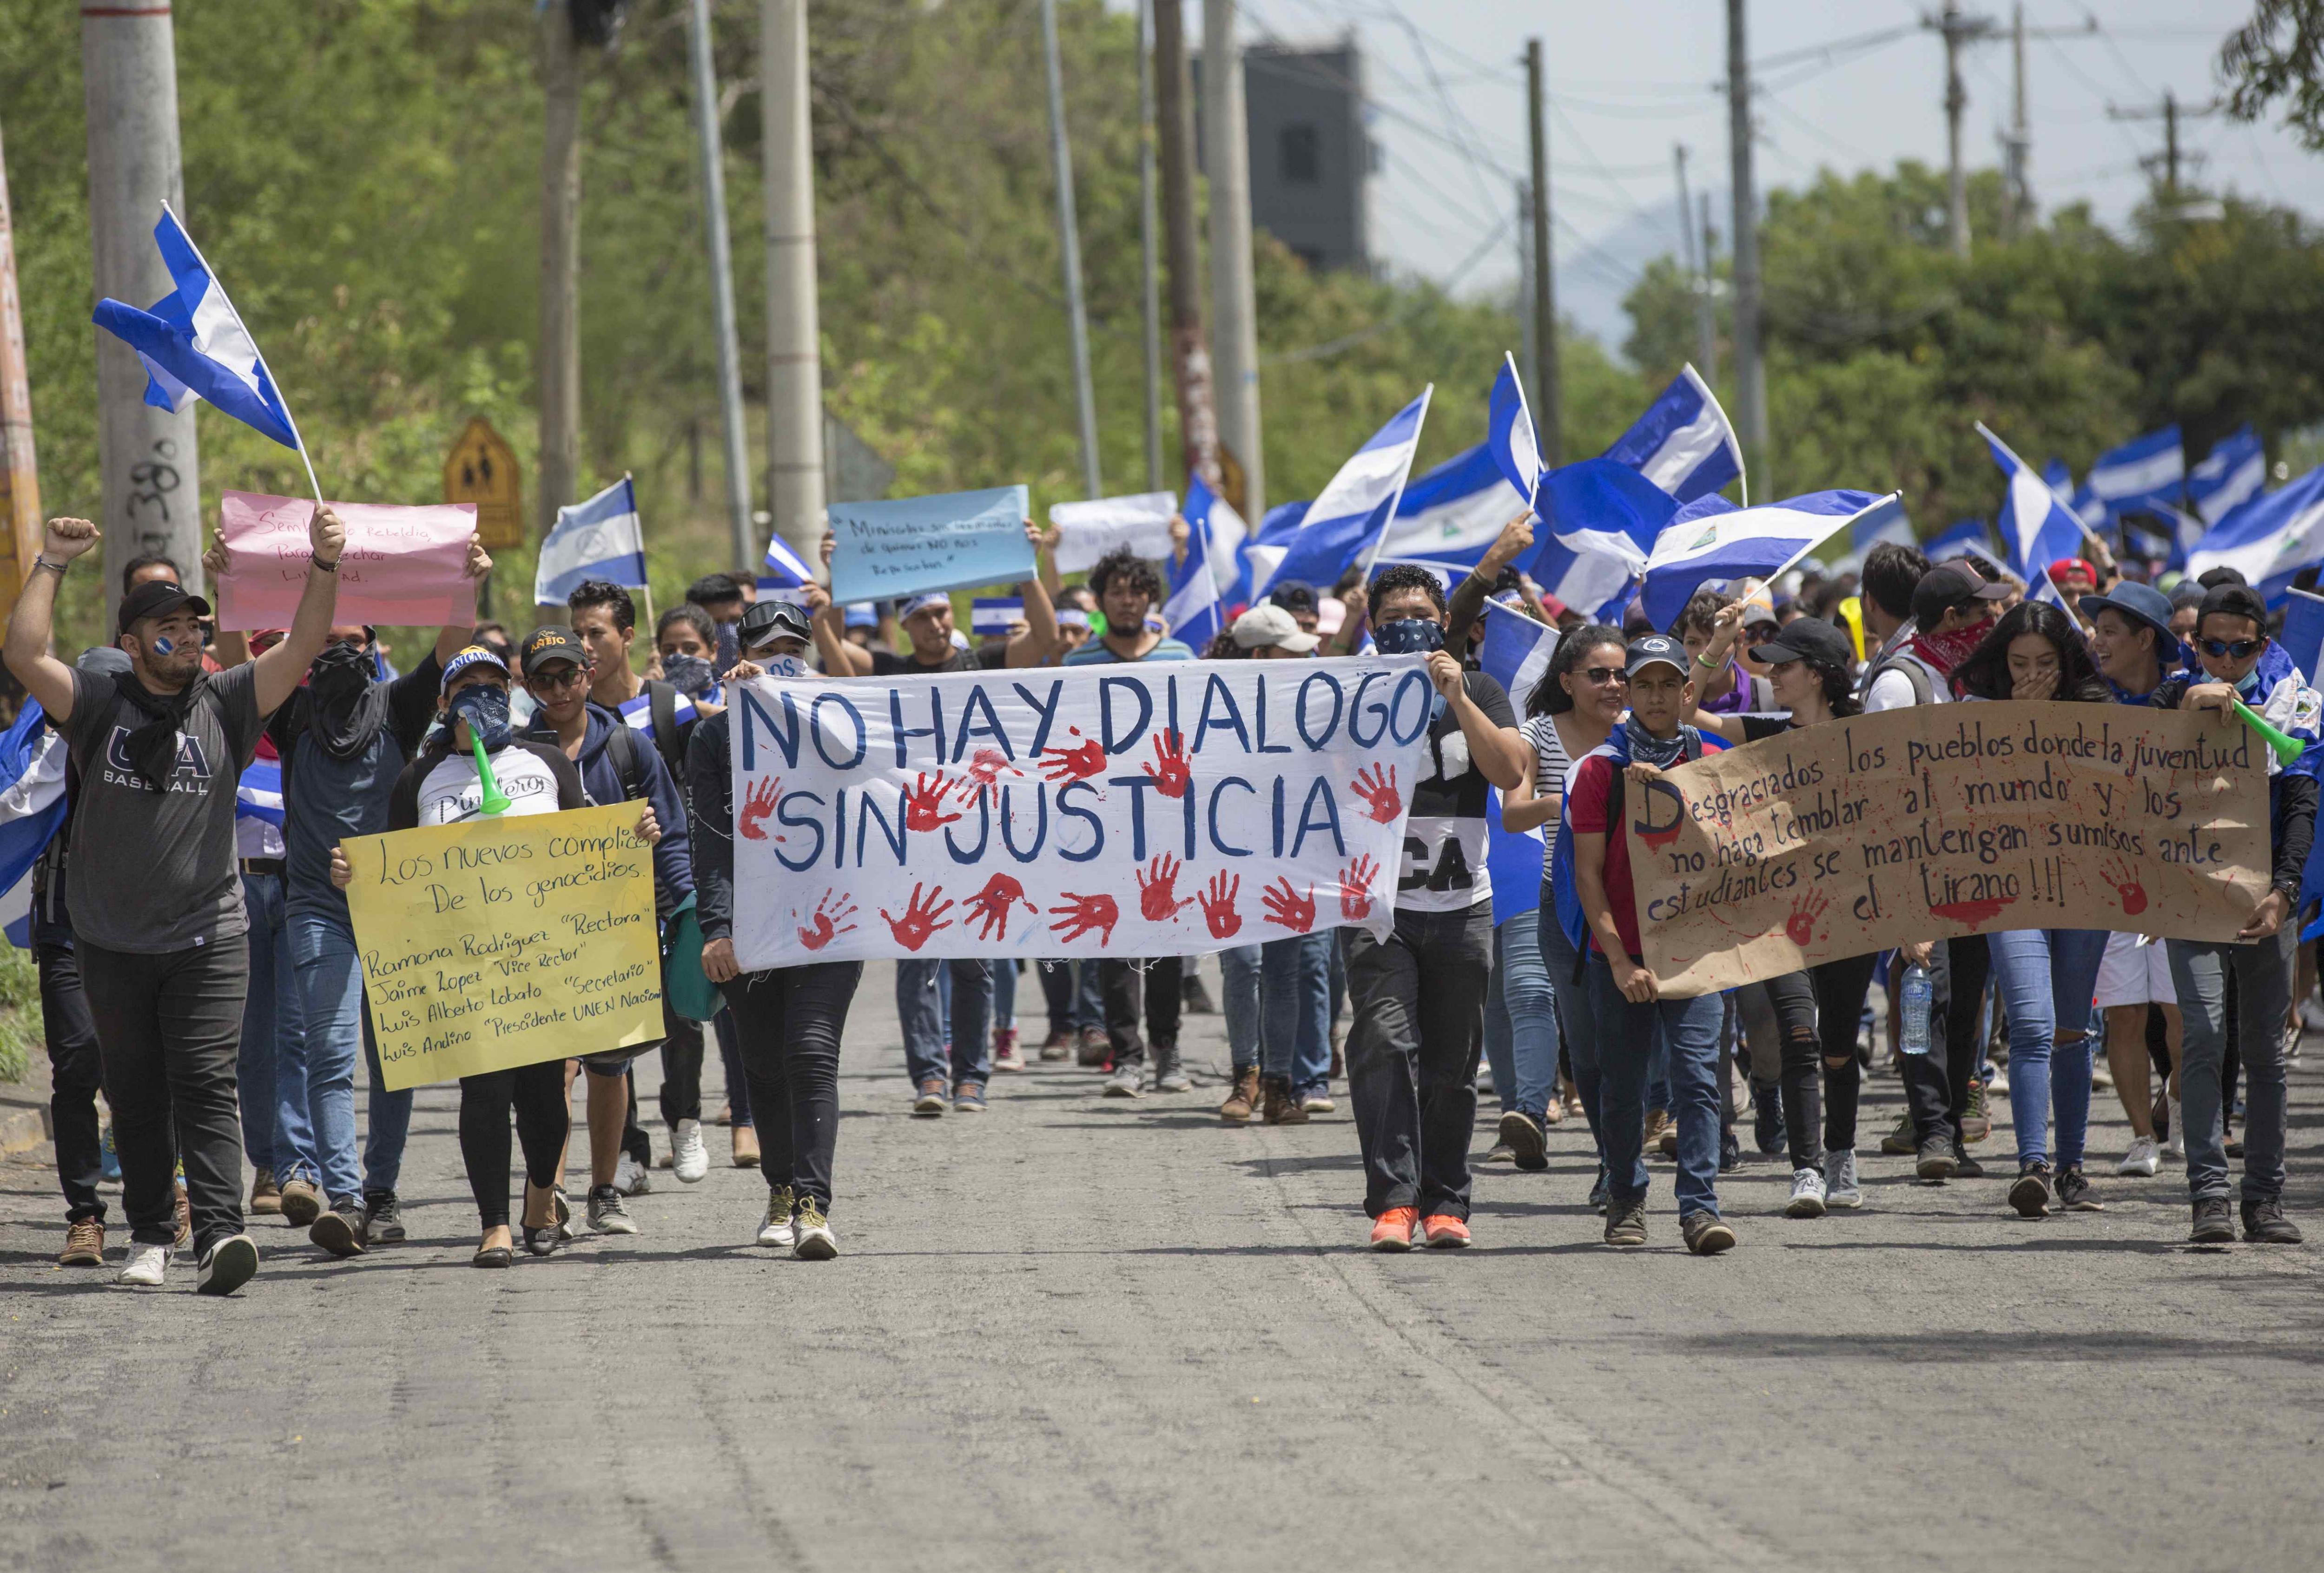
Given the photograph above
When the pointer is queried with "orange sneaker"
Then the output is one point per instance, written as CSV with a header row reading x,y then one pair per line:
x,y
1445,1232
1393,1231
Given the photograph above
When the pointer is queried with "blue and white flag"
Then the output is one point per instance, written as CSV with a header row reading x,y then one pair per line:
x,y
1515,652
784,568
1196,607
194,344
1590,582
2230,477
1683,443
1603,506
1889,524
2141,472
32,809
1710,541
1968,536
995,615
2269,538
2187,532
1509,433
638,713
1349,518
2036,528
2302,638
597,540
258,794
1454,513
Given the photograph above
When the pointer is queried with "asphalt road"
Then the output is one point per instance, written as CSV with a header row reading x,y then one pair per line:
x,y
1079,1333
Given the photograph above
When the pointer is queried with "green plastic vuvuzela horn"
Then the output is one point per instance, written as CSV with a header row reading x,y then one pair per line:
x,y
494,801
2287,748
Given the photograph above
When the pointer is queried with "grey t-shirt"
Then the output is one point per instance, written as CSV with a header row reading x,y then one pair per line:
x,y
154,872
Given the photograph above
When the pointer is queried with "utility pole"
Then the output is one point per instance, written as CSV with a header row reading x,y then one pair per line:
x,y
1530,347
1707,317
1958,30
2170,112
2020,212
1698,267
1069,250
794,329
1751,373
1190,358
560,265
153,499
1547,406
722,297
1149,283
20,479
1234,309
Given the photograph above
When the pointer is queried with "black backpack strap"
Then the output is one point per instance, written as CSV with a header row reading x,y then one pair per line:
x,y
661,709
629,764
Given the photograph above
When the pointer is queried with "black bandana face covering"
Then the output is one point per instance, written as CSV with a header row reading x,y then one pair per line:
x,y
342,709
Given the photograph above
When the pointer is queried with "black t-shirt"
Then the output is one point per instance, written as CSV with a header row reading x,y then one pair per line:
x,y
1755,727
889,664
1444,838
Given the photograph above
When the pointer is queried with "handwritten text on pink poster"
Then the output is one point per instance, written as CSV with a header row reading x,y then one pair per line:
x,y
404,567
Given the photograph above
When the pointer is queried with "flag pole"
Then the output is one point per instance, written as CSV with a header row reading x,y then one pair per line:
x,y
1533,492
1742,475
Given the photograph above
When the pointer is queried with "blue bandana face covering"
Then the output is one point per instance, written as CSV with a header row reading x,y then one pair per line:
x,y
689,674
485,709
1414,636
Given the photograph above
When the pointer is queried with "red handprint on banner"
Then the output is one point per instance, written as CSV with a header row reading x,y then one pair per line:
x,y
922,803
990,907
1083,913
1378,788
1356,889
1074,764
1173,775
1218,899
919,920
1158,897
1286,907
830,921
1799,928
982,771
756,804
2132,894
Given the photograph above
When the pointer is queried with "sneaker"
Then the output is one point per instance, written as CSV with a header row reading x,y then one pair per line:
x,y
2215,1223
2031,1195
1128,1081
2265,1224
1498,1153
745,1140
146,1266
1095,1049
1441,1231
690,1157
1667,1143
1625,1225
1964,1166
1242,1100
1056,1047
185,1211
340,1231
815,1242
226,1265
607,1216
383,1218
1976,1122
1527,1145
2170,1128
1278,1107
2311,1015
300,1204
1707,1234
1005,1054
931,1100
1935,1162
968,1098
775,1229
1317,1100
2074,1191
1392,1231
1730,1153
1906,1138
2144,1157
265,1196
1807,1194
632,1178
1169,1076
84,1244
1767,1118
1839,1178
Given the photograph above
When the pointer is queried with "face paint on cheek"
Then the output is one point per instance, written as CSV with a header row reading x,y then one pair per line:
x,y
162,645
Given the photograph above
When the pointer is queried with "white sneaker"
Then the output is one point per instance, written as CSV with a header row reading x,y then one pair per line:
x,y
147,1264
2175,1145
632,1178
2311,1015
1807,1195
815,1241
2142,1158
690,1159
1839,1178
776,1230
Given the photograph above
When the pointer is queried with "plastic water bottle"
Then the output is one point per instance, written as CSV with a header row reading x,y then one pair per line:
x,y
1917,994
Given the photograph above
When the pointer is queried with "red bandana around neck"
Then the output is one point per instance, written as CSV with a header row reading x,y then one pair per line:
x,y
1945,650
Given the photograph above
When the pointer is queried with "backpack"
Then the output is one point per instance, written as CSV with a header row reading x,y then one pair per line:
x,y
1568,898
622,747
661,712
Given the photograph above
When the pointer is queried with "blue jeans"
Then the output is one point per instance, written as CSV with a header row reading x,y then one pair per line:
x,y
1625,1038
2047,976
1004,994
1238,971
2262,985
1076,1002
1520,1025
1296,1020
1569,1000
922,1012
331,993
271,1072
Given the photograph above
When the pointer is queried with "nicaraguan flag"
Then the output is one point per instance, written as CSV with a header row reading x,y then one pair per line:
x,y
1603,506
1887,524
638,713
597,540
995,614
784,568
2303,632
194,344
2230,477
32,809
1710,541
2269,538
2141,472
1515,652
2036,528
1196,610
1453,513
1509,434
259,794
1350,516
1683,443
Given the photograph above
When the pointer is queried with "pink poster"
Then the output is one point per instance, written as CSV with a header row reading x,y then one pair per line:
x,y
404,567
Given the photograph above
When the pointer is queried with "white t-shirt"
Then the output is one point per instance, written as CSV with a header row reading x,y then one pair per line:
x,y
535,778
1892,689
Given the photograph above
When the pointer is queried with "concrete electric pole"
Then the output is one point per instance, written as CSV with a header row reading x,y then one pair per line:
x,y
1234,309
1750,372
560,265
1069,250
1547,406
1148,266
794,329
1190,357
715,239
20,477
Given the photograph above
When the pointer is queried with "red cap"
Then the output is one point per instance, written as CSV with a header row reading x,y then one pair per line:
x,y
2065,565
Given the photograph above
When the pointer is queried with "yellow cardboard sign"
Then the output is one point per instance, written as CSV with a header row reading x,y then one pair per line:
x,y
506,940
481,469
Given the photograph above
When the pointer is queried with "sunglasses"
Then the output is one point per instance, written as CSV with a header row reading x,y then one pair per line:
x,y
2232,650
563,679
1604,674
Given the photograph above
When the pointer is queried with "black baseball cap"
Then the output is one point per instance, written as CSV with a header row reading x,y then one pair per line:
x,y
1294,595
554,642
1656,647
1948,585
769,620
2234,600
157,598
1803,638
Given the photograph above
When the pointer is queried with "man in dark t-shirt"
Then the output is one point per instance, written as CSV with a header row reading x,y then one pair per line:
x,y
1418,997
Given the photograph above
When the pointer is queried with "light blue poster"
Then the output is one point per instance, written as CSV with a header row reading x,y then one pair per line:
x,y
946,542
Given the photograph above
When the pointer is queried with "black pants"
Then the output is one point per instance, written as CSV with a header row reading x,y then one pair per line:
x,y
1792,997
1119,982
1840,989
789,1020
1936,1084
169,1026
1419,1025
76,1073
681,1067
543,1119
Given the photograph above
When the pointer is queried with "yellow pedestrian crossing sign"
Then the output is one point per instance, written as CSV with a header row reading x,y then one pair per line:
x,y
482,469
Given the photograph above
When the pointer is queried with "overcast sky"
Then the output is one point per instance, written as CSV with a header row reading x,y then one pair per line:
x,y
1629,79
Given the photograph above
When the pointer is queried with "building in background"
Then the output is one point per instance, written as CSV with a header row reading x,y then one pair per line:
x,y
1311,149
